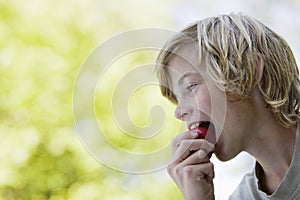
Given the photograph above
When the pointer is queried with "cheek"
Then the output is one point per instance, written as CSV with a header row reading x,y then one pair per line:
x,y
217,104
204,100
218,109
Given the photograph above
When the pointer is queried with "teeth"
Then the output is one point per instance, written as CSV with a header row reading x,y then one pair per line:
x,y
195,125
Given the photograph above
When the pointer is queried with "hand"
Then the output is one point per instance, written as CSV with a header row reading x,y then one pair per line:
x,y
191,168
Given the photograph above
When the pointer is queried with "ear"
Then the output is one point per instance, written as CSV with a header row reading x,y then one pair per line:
x,y
260,67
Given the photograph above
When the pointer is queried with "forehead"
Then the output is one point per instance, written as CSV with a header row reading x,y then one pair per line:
x,y
187,55
185,62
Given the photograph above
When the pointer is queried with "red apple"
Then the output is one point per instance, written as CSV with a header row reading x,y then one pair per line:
x,y
202,131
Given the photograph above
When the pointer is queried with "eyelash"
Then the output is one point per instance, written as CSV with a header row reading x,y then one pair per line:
x,y
191,87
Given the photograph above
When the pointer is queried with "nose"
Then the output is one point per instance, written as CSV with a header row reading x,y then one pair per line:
x,y
182,111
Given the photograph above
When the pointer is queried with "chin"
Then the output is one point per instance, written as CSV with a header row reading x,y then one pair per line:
x,y
222,156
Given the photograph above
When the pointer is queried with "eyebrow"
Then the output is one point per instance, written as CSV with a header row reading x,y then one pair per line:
x,y
181,79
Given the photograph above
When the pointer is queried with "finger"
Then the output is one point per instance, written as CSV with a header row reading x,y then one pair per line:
x,y
188,147
203,155
206,171
200,172
203,152
185,148
202,144
192,173
194,159
183,136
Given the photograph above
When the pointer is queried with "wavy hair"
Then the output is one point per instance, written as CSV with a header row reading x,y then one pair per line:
x,y
234,45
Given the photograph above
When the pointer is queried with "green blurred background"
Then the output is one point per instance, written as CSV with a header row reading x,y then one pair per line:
x,y
43,43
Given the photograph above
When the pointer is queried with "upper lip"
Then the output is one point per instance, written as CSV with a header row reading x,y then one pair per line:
x,y
196,124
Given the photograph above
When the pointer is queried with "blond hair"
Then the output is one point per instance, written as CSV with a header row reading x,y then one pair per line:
x,y
234,45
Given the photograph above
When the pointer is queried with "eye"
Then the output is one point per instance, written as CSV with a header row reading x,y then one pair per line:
x,y
191,86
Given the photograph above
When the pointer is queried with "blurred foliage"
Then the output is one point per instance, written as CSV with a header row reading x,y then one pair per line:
x,y
42,46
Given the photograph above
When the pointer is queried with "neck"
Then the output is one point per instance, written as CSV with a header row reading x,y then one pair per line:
x,y
272,146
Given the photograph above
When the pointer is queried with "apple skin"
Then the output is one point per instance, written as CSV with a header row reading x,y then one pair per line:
x,y
201,131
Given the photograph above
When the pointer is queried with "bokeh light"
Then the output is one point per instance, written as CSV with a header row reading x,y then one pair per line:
x,y
43,44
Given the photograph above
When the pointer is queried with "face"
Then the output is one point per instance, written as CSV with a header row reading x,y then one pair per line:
x,y
200,100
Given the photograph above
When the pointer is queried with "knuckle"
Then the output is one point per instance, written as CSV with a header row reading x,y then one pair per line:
x,y
187,171
177,171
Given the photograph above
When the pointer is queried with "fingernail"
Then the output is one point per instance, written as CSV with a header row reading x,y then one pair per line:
x,y
202,153
194,134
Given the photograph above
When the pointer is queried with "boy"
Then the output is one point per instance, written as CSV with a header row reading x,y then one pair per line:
x,y
236,85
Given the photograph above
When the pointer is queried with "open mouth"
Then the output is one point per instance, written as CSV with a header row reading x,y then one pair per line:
x,y
201,128
205,130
